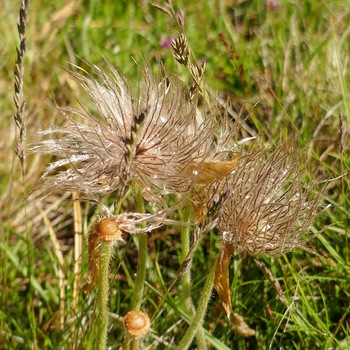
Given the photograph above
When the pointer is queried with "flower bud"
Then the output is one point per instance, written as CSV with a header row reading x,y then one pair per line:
x,y
108,230
137,323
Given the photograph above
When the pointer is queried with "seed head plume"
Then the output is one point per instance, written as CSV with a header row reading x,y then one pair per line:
x,y
269,209
153,137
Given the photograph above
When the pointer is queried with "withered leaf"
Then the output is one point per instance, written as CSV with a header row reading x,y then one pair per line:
x,y
221,281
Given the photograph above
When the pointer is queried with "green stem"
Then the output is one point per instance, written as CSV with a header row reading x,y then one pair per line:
x,y
131,342
142,257
186,278
102,296
141,272
201,309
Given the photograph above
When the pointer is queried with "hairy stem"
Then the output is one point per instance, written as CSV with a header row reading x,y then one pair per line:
x,y
186,278
102,296
131,342
201,309
142,257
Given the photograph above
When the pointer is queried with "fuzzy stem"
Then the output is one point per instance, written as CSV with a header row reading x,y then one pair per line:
x,y
131,342
201,309
142,257
186,279
141,272
102,296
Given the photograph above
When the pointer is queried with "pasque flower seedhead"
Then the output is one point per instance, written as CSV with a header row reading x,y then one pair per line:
x,y
269,209
153,137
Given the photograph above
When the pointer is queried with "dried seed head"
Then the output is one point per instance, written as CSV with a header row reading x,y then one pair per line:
x,y
151,137
137,323
269,210
108,230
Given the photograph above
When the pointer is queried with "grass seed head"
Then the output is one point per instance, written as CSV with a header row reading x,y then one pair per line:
x,y
181,50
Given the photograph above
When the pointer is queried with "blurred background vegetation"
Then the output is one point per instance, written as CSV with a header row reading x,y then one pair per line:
x,y
283,64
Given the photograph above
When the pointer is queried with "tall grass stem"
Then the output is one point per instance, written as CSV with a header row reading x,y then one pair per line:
x,y
131,342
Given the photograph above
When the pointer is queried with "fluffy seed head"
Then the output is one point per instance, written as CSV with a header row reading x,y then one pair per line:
x,y
269,210
152,137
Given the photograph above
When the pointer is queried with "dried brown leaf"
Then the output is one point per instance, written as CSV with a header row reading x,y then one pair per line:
x,y
221,281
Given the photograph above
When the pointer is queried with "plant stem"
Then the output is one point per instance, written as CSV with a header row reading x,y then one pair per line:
x,y
141,272
131,342
201,309
142,257
102,296
186,278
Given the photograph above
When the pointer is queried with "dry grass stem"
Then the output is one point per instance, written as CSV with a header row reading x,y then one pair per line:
x,y
61,275
78,248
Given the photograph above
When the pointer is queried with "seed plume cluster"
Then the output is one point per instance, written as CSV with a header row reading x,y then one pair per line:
x,y
268,209
156,137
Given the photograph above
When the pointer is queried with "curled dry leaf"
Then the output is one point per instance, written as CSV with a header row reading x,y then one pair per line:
x,y
221,281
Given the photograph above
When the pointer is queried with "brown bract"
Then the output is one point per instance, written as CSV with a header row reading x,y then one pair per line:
x,y
210,171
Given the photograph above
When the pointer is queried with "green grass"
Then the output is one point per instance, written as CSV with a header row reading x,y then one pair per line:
x,y
289,75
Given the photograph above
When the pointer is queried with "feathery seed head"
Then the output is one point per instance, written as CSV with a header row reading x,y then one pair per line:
x,y
269,210
152,138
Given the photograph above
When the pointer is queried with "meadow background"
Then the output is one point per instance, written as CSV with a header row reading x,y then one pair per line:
x,y
283,65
